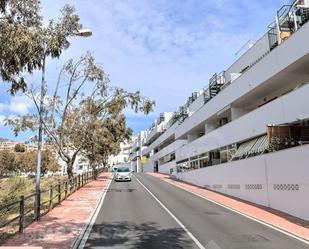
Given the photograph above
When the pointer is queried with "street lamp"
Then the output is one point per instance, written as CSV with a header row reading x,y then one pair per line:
x,y
82,33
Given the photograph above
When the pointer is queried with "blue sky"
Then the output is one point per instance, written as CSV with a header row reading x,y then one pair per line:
x,y
164,48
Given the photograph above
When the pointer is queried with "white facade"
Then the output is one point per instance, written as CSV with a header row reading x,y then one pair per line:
x,y
138,142
279,180
267,85
123,156
81,165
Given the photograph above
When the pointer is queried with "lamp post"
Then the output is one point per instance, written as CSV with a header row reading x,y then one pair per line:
x,y
37,206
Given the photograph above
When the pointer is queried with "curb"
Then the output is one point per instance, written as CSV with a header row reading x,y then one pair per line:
x,y
277,228
78,240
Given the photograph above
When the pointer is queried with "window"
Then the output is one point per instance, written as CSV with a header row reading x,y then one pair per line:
x,y
204,162
123,169
194,164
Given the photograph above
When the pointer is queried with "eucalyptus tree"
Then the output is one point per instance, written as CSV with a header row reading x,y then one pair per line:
x,y
20,22
82,105
107,131
26,42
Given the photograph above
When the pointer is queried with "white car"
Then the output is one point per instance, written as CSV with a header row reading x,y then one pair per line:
x,y
123,174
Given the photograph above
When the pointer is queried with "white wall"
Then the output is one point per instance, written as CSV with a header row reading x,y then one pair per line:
x,y
279,180
250,56
166,135
169,149
197,104
285,109
279,66
165,168
148,167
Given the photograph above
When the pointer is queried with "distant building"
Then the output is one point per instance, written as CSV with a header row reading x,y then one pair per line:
x,y
123,156
80,166
10,146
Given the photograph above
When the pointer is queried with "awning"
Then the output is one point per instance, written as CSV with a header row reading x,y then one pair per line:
x,y
244,149
260,146
252,147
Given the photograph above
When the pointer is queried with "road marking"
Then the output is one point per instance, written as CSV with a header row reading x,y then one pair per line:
x,y
199,245
277,228
84,235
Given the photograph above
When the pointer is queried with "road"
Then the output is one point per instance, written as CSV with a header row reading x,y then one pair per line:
x,y
170,217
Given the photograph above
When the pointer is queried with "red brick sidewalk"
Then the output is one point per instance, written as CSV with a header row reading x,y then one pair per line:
x,y
59,228
283,221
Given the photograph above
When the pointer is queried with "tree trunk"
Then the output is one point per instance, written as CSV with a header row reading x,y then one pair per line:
x,y
105,164
70,170
92,166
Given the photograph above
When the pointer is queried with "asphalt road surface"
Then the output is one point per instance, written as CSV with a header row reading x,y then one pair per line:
x,y
169,217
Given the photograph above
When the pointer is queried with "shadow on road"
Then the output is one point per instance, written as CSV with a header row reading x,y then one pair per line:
x,y
130,235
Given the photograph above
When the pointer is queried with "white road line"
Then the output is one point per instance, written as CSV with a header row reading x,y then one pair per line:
x,y
277,228
84,235
199,245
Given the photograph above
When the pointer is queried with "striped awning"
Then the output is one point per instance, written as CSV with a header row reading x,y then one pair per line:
x,y
260,146
244,149
252,147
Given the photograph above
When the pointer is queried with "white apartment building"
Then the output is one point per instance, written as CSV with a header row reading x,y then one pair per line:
x,y
247,133
137,143
123,156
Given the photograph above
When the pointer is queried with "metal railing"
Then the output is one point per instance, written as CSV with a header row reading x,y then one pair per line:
x,y
21,211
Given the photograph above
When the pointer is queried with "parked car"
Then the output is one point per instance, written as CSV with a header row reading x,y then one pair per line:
x,y
123,174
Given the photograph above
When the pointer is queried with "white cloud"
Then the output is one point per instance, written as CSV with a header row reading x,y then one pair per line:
x,y
20,105
165,48
2,117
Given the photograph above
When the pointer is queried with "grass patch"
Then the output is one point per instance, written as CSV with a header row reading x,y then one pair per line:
x,y
11,189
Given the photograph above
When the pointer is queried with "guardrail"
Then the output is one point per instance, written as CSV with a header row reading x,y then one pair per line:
x,y
22,209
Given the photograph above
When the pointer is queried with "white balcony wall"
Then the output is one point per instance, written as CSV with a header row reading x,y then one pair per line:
x,y
279,67
197,104
260,48
278,180
165,168
170,132
154,132
158,128
169,149
288,108
148,167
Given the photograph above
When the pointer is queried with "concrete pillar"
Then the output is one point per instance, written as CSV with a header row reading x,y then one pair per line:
x,y
192,137
209,128
138,165
237,112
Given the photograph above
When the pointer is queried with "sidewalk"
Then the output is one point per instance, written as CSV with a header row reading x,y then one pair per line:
x,y
59,228
275,218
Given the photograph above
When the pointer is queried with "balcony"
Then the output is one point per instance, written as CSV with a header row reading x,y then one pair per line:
x,y
279,68
155,132
285,109
168,134
169,149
